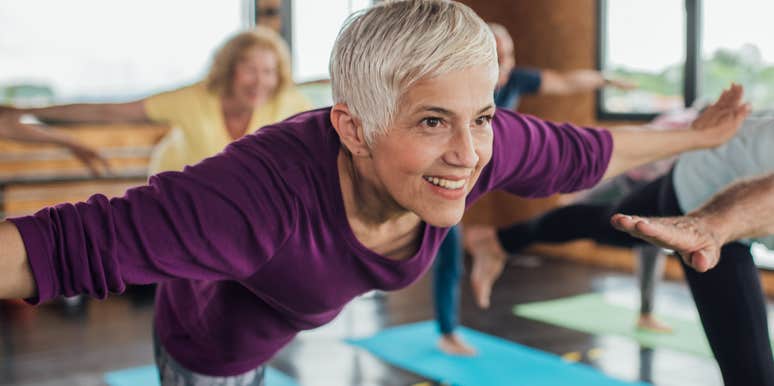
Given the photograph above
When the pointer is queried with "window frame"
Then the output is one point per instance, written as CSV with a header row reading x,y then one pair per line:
x,y
691,70
287,33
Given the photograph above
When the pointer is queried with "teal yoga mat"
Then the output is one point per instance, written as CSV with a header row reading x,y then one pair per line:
x,y
499,362
148,376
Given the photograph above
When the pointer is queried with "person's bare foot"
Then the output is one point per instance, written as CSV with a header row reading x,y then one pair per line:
x,y
649,323
488,260
452,344
486,270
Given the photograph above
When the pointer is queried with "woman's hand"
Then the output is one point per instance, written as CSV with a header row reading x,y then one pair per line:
x,y
96,163
9,110
621,84
12,129
721,120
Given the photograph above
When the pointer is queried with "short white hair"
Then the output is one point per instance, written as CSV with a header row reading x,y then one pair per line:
x,y
382,51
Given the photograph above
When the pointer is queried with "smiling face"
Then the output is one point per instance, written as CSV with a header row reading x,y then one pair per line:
x,y
432,154
256,76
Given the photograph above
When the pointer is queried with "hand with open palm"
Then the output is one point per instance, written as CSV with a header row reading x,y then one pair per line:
x,y
689,236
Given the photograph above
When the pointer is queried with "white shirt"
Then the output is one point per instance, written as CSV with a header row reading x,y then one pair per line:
x,y
700,174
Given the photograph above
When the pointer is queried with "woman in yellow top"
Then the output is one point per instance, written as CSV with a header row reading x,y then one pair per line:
x,y
248,86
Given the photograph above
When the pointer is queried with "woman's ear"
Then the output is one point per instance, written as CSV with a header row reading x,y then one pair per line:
x,y
350,131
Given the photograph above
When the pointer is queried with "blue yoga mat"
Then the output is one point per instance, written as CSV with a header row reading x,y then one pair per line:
x,y
498,363
148,376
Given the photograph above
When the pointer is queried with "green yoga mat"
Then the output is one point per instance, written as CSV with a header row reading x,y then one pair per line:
x,y
592,314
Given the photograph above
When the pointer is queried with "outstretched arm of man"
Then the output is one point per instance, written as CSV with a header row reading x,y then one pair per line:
x,y
742,210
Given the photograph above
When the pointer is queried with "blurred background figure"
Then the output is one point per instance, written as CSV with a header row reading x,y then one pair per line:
x,y
249,85
268,13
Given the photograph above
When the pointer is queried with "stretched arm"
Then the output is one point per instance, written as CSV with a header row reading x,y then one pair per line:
x,y
10,128
90,112
716,125
577,81
194,225
742,210
15,276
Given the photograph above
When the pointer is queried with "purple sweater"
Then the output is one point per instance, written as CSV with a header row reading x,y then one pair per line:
x,y
252,245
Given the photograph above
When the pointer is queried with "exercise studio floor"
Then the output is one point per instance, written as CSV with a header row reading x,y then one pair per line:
x,y
49,346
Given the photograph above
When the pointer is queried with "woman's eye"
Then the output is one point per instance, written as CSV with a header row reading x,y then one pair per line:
x,y
432,122
483,120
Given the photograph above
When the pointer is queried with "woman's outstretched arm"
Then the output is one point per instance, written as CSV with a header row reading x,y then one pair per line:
x,y
16,279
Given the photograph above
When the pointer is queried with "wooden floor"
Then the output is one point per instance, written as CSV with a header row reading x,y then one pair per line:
x,y
49,346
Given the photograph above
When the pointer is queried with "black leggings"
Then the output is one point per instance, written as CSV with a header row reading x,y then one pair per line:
x,y
729,297
592,221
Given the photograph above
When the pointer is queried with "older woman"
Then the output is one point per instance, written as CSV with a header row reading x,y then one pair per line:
x,y
278,232
248,86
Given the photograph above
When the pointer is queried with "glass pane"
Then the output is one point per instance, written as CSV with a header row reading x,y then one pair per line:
x,y
737,45
645,43
313,39
101,50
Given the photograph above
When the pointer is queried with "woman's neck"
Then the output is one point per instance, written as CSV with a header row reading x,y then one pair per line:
x,y
236,117
233,108
364,197
377,221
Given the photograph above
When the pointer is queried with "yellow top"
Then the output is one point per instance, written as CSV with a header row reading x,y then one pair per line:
x,y
198,126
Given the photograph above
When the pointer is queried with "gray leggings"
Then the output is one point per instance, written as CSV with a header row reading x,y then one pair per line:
x,y
172,373
650,270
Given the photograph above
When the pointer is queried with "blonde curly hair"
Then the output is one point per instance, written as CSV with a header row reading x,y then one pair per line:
x,y
221,72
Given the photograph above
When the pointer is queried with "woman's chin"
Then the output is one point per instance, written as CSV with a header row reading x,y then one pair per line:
x,y
443,219
253,99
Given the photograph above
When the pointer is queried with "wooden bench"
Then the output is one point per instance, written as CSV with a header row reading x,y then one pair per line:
x,y
35,176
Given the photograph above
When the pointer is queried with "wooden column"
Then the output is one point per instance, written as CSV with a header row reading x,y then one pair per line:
x,y
558,35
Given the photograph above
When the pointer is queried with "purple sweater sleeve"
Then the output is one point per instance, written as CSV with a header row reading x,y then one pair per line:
x,y
536,158
220,219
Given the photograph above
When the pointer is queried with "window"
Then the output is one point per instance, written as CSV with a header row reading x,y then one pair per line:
x,y
738,47
683,51
652,57
57,51
315,27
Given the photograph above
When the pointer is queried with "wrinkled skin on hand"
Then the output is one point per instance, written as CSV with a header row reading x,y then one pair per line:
x,y
689,236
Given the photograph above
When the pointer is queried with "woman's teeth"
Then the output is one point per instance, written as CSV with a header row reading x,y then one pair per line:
x,y
444,183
